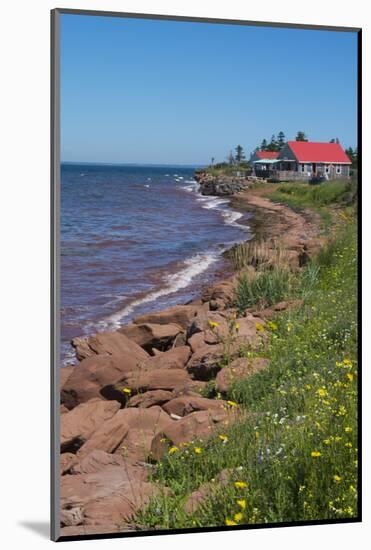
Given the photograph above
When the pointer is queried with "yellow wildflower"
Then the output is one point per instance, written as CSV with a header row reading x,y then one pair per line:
x,y
326,441
347,362
237,326
348,429
257,435
315,454
238,516
230,522
223,438
240,484
242,503
126,390
232,403
259,327
350,376
322,392
213,324
173,450
198,450
337,478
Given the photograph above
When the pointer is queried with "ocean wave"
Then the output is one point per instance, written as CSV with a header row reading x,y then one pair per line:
x,y
192,267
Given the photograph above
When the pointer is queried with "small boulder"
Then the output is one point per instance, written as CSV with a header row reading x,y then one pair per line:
x,y
77,425
181,315
96,372
107,343
158,379
197,425
151,335
150,398
187,404
205,362
238,370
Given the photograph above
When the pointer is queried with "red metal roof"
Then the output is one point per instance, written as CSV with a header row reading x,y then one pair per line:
x,y
310,151
267,154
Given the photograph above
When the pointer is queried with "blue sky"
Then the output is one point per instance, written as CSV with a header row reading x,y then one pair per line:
x,y
141,91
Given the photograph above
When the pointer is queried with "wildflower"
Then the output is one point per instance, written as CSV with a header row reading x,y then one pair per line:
x,y
347,362
173,450
240,484
301,488
237,517
257,435
163,439
237,326
259,327
326,441
213,324
348,429
348,445
230,522
232,403
242,503
126,390
350,376
337,478
198,450
322,392
272,326
315,454
223,438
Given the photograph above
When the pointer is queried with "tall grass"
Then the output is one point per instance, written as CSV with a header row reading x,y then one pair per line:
x,y
327,193
264,253
294,456
266,288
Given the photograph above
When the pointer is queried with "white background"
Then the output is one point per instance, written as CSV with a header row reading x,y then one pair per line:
x,y
24,305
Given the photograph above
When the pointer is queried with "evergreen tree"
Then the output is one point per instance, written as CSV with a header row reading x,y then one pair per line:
x,y
300,136
273,145
240,155
264,145
281,139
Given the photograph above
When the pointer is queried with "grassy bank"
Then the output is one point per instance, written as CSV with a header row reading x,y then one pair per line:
x,y
294,456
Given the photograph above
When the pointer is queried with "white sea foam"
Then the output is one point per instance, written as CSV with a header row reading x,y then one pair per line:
x,y
192,267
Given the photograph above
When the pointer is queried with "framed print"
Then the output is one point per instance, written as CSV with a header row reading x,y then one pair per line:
x,y
206,181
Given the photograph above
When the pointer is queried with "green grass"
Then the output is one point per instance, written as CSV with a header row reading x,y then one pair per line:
x,y
317,197
267,288
296,451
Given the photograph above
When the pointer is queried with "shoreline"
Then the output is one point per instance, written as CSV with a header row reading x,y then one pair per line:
x,y
190,277
145,387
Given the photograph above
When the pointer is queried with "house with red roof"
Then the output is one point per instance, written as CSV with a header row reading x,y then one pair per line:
x,y
262,161
308,158
302,160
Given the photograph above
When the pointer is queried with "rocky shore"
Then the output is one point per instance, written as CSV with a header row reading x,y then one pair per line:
x,y
221,185
140,391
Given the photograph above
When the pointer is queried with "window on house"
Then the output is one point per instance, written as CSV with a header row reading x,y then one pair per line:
x,y
303,167
327,169
338,169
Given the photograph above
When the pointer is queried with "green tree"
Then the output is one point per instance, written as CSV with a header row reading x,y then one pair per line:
x,y
281,139
264,145
273,145
300,136
240,155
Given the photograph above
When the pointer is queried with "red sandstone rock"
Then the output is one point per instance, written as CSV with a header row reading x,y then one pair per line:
x,y
158,379
107,343
180,315
150,398
186,404
205,362
94,373
78,425
64,374
238,370
150,335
